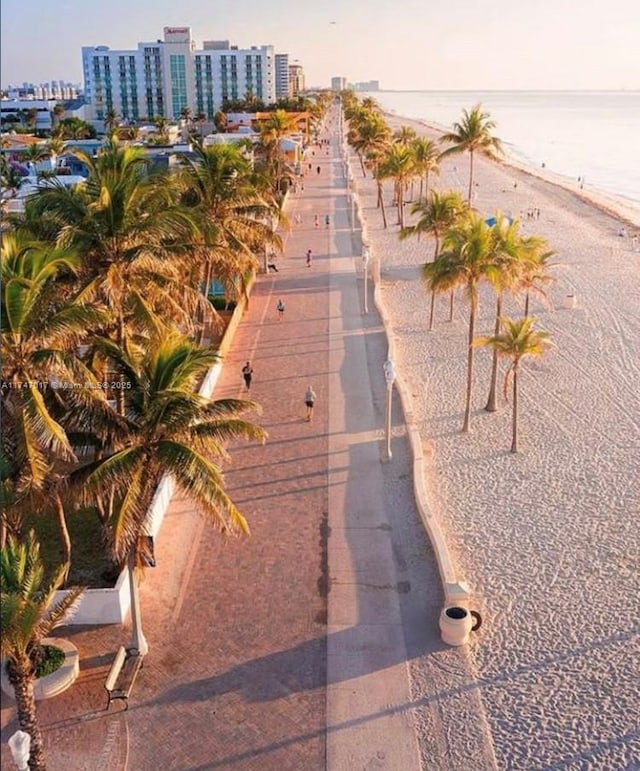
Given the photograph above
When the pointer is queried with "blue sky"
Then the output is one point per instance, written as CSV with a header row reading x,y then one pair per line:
x,y
414,44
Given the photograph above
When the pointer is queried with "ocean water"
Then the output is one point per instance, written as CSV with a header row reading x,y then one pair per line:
x,y
594,135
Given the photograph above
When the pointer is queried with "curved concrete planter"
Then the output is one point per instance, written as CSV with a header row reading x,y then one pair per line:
x,y
51,685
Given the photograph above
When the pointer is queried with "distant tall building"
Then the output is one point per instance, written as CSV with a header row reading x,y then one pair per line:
x,y
296,79
55,89
282,76
338,84
366,85
164,77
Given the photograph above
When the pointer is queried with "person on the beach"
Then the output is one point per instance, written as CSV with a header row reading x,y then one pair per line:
x,y
309,400
280,309
272,265
317,221
318,169
309,258
247,373
298,219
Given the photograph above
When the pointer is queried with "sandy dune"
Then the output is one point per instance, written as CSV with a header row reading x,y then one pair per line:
x,y
548,538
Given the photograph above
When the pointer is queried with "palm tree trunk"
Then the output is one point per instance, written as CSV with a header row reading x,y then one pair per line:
x,y
492,403
421,189
138,640
472,323
381,203
433,303
526,304
514,423
65,540
451,304
364,171
470,176
426,185
201,319
22,683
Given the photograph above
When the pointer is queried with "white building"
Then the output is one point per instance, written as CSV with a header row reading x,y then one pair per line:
x,y
21,111
282,76
164,77
338,84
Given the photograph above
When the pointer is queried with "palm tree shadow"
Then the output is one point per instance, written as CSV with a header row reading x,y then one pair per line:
x,y
300,669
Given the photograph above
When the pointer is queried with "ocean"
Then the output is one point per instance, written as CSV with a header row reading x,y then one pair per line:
x,y
594,135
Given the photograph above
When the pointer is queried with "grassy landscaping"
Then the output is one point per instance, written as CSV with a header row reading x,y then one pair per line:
x,y
90,564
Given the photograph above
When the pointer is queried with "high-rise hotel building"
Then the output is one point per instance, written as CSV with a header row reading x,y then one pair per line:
x,y
162,78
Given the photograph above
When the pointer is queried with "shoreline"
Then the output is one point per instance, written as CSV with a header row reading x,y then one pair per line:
x,y
627,211
546,536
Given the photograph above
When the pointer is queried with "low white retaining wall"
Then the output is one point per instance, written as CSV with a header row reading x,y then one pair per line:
x,y
456,591
111,606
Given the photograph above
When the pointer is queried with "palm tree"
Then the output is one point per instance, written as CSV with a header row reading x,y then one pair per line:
x,y
370,105
426,158
162,124
536,274
134,239
172,430
40,332
220,121
398,165
468,257
272,132
436,216
368,135
55,146
471,134
111,121
233,205
58,114
512,253
517,341
28,614
405,135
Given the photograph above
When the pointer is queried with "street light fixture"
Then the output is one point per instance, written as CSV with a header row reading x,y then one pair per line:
x,y
20,746
390,377
366,257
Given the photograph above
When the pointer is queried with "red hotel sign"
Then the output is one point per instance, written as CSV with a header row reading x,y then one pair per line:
x,y
177,30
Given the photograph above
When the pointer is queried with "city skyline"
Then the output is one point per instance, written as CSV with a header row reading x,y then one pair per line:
x,y
500,47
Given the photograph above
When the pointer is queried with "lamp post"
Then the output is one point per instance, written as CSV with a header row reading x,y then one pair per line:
x,y
366,256
389,376
20,746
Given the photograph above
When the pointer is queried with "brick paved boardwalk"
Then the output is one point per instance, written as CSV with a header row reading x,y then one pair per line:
x,y
236,677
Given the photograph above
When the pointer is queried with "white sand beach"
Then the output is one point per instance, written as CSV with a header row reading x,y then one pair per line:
x,y
547,538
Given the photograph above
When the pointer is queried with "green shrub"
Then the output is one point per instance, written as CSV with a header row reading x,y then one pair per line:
x,y
221,304
53,660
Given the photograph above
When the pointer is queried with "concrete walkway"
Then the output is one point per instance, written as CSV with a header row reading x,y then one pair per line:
x,y
289,650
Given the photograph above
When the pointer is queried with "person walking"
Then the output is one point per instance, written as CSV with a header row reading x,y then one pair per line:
x,y
317,221
247,374
309,400
280,309
309,258
318,169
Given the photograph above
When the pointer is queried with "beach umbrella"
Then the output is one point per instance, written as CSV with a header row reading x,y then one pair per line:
x,y
491,221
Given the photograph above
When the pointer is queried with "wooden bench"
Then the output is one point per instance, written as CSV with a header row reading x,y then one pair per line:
x,y
122,675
